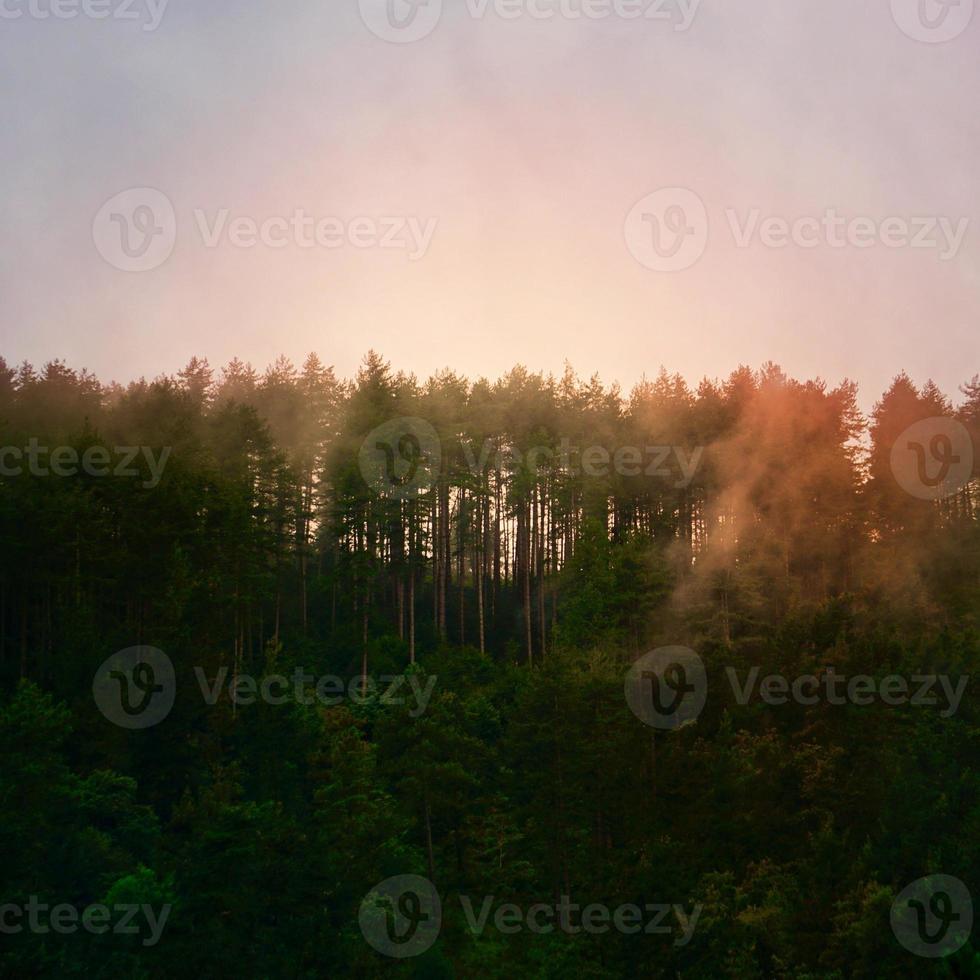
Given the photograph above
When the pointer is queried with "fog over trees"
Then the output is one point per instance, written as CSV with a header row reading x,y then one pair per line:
x,y
520,542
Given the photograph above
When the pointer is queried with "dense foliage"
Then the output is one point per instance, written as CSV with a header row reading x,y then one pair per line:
x,y
776,537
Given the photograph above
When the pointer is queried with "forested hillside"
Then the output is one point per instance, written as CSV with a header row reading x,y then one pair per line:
x,y
479,564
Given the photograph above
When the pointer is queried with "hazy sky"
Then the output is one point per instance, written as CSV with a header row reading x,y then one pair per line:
x,y
527,141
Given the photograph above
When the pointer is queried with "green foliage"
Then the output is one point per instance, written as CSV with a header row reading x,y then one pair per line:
x,y
524,593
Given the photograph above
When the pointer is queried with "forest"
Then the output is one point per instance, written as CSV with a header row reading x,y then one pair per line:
x,y
393,625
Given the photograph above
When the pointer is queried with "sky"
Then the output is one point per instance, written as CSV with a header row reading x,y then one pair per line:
x,y
474,184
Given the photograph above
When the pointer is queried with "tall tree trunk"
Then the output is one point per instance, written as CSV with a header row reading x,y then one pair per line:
x,y
524,545
429,851
411,615
478,574
461,539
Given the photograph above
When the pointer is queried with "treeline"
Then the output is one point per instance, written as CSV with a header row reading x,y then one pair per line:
x,y
759,479
757,520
